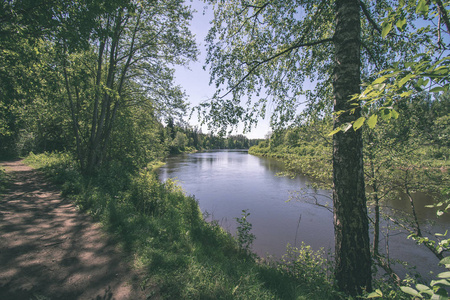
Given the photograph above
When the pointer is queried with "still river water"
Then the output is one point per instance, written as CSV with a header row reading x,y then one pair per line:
x,y
227,182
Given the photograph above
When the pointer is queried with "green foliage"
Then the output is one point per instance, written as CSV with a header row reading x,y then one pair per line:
x,y
405,155
3,180
184,138
100,90
426,69
61,168
437,289
244,237
179,254
306,264
305,150
180,141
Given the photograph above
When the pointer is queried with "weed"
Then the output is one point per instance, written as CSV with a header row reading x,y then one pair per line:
x,y
244,237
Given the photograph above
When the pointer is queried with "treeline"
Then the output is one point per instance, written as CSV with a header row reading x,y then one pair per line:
x,y
403,156
185,138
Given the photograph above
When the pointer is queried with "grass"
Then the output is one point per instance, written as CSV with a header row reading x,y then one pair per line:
x,y
3,180
181,255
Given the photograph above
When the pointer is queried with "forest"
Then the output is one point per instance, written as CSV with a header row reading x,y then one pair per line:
x,y
88,95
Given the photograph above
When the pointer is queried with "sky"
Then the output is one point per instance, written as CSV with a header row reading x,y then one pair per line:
x,y
195,80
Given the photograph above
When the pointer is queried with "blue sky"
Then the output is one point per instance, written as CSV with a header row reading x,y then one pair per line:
x,y
196,80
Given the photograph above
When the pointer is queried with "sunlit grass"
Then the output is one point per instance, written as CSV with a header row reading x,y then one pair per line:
x,y
180,255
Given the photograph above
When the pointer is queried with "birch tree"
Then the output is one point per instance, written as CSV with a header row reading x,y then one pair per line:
x,y
261,54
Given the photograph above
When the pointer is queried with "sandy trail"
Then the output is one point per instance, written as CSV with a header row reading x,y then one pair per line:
x,y
49,250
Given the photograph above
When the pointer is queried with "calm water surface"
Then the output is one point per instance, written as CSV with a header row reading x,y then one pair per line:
x,y
227,182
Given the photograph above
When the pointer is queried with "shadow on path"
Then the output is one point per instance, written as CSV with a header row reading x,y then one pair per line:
x,y
49,250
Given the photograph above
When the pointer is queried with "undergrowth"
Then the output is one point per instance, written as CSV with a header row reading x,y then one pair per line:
x,y
3,180
181,255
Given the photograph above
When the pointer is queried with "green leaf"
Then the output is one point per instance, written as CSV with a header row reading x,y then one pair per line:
x,y
422,7
406,94
372,121
437,89
358,123
424,289
411,291
386,29
445,261
379,80
394,114
376,294
440,282
404,80
444,275
401,24
334,131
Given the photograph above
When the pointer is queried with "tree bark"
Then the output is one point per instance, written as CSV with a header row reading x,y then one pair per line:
x,y
352,247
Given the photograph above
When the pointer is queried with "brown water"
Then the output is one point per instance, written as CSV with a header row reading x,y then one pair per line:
x,y
227,182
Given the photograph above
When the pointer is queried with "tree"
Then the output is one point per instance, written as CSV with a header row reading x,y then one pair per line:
x,y
180,141
267,49
125,63
427,70
25,78
353,262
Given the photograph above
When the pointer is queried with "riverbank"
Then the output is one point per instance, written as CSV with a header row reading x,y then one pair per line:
x,y
401,165
179,254
310,160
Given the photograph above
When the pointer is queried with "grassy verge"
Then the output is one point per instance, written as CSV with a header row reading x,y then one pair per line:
x,y
313,161
181,255
3,180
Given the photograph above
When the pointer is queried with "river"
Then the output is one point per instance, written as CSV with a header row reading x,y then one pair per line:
x,y
229,181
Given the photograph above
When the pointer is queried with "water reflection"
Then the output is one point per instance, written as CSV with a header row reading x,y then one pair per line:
x,y
227,182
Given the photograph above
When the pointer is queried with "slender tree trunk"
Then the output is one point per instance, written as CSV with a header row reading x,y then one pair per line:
x,y
352,247
411,202
376,232
73,113
98,141
376,198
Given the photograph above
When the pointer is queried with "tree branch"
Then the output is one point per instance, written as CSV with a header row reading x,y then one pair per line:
x,y
261,62
444,14
368,16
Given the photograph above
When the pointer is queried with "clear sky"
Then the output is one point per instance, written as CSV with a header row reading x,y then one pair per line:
x,y
196,80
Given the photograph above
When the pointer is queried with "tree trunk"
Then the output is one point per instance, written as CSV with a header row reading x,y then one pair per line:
x,y
376,197
352,247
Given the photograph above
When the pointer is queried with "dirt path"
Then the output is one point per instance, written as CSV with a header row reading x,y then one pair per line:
x,y
49,250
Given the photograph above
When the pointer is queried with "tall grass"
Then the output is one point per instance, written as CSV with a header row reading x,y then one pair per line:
x,y
181,255
3,180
